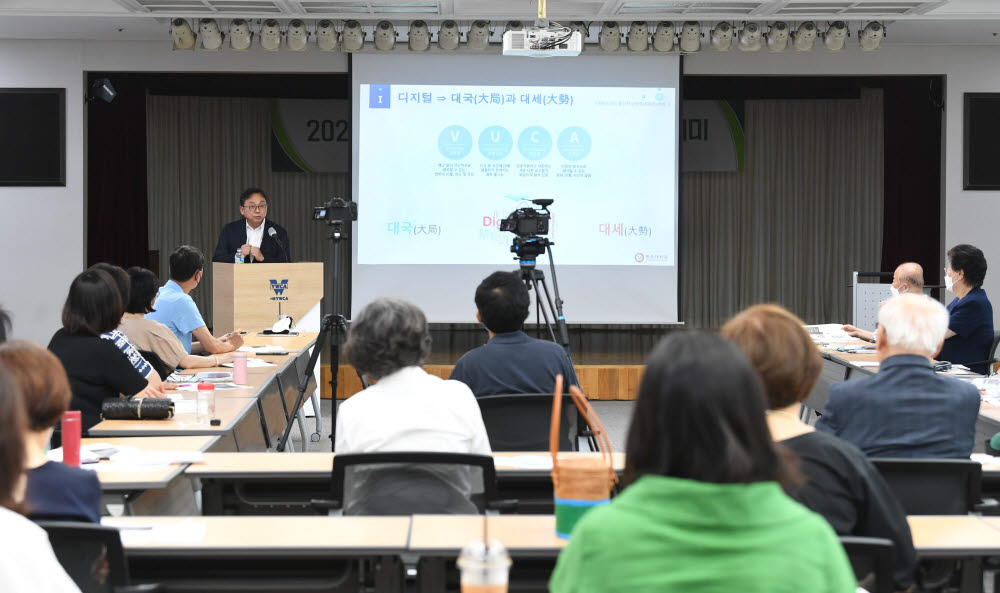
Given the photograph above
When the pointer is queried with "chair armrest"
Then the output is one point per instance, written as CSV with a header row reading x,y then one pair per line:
x,y
510,505
149,588
324,507
987,506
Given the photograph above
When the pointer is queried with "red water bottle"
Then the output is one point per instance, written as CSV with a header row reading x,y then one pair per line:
x,y
71,425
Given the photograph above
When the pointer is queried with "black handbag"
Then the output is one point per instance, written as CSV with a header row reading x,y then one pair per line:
x,y
146,408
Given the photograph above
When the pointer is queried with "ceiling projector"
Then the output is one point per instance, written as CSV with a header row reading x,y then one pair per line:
x,y
542,42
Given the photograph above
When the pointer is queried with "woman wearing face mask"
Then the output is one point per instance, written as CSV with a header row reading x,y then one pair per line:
x,y
970,323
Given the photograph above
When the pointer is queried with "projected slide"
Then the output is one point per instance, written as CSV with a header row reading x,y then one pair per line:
x,y
438,167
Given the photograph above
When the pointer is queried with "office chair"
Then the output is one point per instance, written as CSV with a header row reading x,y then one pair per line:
x,y
520,422
873,561
92,556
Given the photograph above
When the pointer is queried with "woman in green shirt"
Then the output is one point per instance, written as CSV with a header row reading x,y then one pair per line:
x,y
703,510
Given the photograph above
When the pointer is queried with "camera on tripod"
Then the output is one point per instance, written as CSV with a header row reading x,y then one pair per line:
x,y
525,222
336,210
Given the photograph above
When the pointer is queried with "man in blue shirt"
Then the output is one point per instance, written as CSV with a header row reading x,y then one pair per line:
x,y
511,362
906,409
176,309
970,323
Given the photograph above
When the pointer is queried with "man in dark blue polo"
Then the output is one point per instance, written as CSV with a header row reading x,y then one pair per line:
x,y
906,409
511,362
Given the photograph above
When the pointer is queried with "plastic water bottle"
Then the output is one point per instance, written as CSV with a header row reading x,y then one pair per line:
x,y
482,569
240,368
206,402
239,256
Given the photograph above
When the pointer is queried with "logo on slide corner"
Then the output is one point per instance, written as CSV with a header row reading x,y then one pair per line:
x,y
279,288
379,96
638,258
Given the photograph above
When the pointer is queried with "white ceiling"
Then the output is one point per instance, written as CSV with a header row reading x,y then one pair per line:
x,y
932,22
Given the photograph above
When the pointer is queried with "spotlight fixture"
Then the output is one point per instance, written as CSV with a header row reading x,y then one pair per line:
x,y
750,37
611,36
836,36
584,30
870,38
296,36
638,36
385,36
513,26
478,36
777,36
663,38
353,37
101,88
805,36
211,36
270,35
722,37
181,33
690,41
326,35
240,35
419,37
448,35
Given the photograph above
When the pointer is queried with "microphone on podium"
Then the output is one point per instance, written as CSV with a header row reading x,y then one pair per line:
x,y
274,235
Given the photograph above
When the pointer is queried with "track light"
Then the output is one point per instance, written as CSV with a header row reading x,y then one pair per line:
x,y
419,37
836,36
240,35
584,30
326,35
870,38
805,36
448,35
750,37
513,26
663,38
385,36
690,41
722,37
353,38
478,36
297,36
638,36
611,36
211,36
777,36
270,35
181,33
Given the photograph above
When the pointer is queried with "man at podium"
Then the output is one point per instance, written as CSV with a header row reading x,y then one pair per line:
x,y
253,238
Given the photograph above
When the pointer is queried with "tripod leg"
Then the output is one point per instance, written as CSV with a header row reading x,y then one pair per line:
x,y
326,327
541,306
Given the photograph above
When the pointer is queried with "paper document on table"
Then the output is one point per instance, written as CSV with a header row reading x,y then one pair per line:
x,y
261,350
179,378
866,363
138,534
523,461
829,333
253,363
218,387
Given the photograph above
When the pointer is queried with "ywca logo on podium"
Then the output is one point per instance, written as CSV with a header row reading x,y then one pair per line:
x,y
279,289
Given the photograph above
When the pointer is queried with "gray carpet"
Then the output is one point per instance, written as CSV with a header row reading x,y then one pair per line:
x,y
615,415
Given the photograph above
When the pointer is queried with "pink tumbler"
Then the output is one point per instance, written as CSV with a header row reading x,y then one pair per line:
x,y
240,368
71,425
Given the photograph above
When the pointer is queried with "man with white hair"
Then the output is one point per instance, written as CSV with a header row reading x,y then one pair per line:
x,y
906,410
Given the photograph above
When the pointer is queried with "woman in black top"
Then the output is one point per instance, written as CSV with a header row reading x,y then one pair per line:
x,y
841,484
54,491
97,369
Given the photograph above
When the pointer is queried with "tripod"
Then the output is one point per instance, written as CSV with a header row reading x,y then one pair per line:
x,y
332,328
527,250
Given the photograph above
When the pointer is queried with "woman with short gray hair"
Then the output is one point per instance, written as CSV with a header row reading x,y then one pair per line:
x,y
388,335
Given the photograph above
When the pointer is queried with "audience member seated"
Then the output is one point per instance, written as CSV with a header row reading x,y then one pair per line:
x,y
970,314
4,325
176,309
907,279
97,369
153,336
119,339
27,563
511,362
841,484
408,409
906,409
703,509
54,491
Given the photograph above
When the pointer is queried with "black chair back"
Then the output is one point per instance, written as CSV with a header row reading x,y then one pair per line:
x,y
520,422
410,483
91,555
272,410
162,369
933,486
872,559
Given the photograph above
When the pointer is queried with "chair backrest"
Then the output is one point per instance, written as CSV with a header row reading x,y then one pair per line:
x,y
272,409
289,379
520,422
410,483
933,486
161,368
91,554
996,341
872,559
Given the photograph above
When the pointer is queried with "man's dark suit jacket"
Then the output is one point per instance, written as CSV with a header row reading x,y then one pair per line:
x,y
905,410
234,236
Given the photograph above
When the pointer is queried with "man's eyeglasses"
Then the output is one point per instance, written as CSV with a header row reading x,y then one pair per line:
x,y
256,207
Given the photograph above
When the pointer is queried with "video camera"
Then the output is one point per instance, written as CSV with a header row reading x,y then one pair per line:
x,y
526,222
336,210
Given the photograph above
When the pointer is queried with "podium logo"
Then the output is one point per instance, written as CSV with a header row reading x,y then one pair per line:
x,y
279,288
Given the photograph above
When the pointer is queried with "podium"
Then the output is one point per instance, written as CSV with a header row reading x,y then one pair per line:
x,y
250,296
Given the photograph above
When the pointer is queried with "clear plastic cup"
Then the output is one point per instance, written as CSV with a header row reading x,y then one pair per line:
x,y
206,402
484,570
